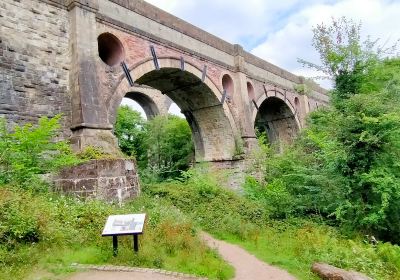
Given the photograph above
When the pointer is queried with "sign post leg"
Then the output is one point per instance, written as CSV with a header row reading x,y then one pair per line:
x,y
115,245
135,243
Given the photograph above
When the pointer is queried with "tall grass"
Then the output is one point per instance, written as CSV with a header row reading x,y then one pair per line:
x,y
293,244
50,232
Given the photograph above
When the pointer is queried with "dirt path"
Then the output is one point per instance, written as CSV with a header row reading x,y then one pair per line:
x,y
247,266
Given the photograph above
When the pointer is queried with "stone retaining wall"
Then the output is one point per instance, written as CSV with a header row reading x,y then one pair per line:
x,y
113,180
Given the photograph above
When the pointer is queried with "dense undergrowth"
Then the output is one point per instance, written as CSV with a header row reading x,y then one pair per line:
x,y
294,244
50,232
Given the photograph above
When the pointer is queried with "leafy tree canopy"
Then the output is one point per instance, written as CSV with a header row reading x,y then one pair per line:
x,y
344,166
163,145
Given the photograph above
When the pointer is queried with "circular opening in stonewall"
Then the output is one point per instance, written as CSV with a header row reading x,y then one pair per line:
x,y
111,50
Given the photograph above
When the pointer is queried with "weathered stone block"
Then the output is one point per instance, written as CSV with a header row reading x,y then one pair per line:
x,y
103,179
66,186
329,272
88,185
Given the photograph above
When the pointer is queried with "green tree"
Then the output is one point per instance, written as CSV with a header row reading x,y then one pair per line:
x,y
344,57
345,164
163,146
169,147
130,130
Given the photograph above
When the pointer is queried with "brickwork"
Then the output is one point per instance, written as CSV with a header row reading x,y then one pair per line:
x,y
50,63
34,61
235,171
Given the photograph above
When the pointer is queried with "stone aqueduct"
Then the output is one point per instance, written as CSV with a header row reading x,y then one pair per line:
x,y
64,56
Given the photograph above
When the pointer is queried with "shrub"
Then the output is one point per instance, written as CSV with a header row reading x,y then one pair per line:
x,y
93,152
29,151
213,208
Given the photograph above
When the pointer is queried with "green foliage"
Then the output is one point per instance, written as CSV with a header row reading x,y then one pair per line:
x,y
277,200
49,232
239,148
30,151
344,166
215,209
297,244
294,244
305,87
130,130
344,58
168,148
294,183
93,152
163,146
67,231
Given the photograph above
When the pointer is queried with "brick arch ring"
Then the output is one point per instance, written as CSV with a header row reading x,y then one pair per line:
x,y
280,95
146,66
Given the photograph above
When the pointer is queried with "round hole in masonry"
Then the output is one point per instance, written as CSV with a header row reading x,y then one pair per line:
x,y
111,50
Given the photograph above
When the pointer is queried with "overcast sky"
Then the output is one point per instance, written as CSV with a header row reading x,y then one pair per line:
x,y
279,31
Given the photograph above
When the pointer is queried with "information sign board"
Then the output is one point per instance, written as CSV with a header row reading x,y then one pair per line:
x,y
124,224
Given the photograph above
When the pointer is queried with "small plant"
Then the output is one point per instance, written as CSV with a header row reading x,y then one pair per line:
x,y
301,89
305,88
93,152
239,148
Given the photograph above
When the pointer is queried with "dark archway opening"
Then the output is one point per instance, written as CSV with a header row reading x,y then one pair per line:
x,y
277,121
228,86
111,50
161,143
207,125
199,105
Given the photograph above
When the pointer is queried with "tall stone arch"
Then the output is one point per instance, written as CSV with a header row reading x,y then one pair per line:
x,y
278,116
213,128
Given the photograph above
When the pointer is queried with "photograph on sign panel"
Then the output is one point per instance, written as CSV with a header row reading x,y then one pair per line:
x,y
124,224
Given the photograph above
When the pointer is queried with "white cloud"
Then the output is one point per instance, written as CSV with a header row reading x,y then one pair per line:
x,y
237,21
280,31
293,40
